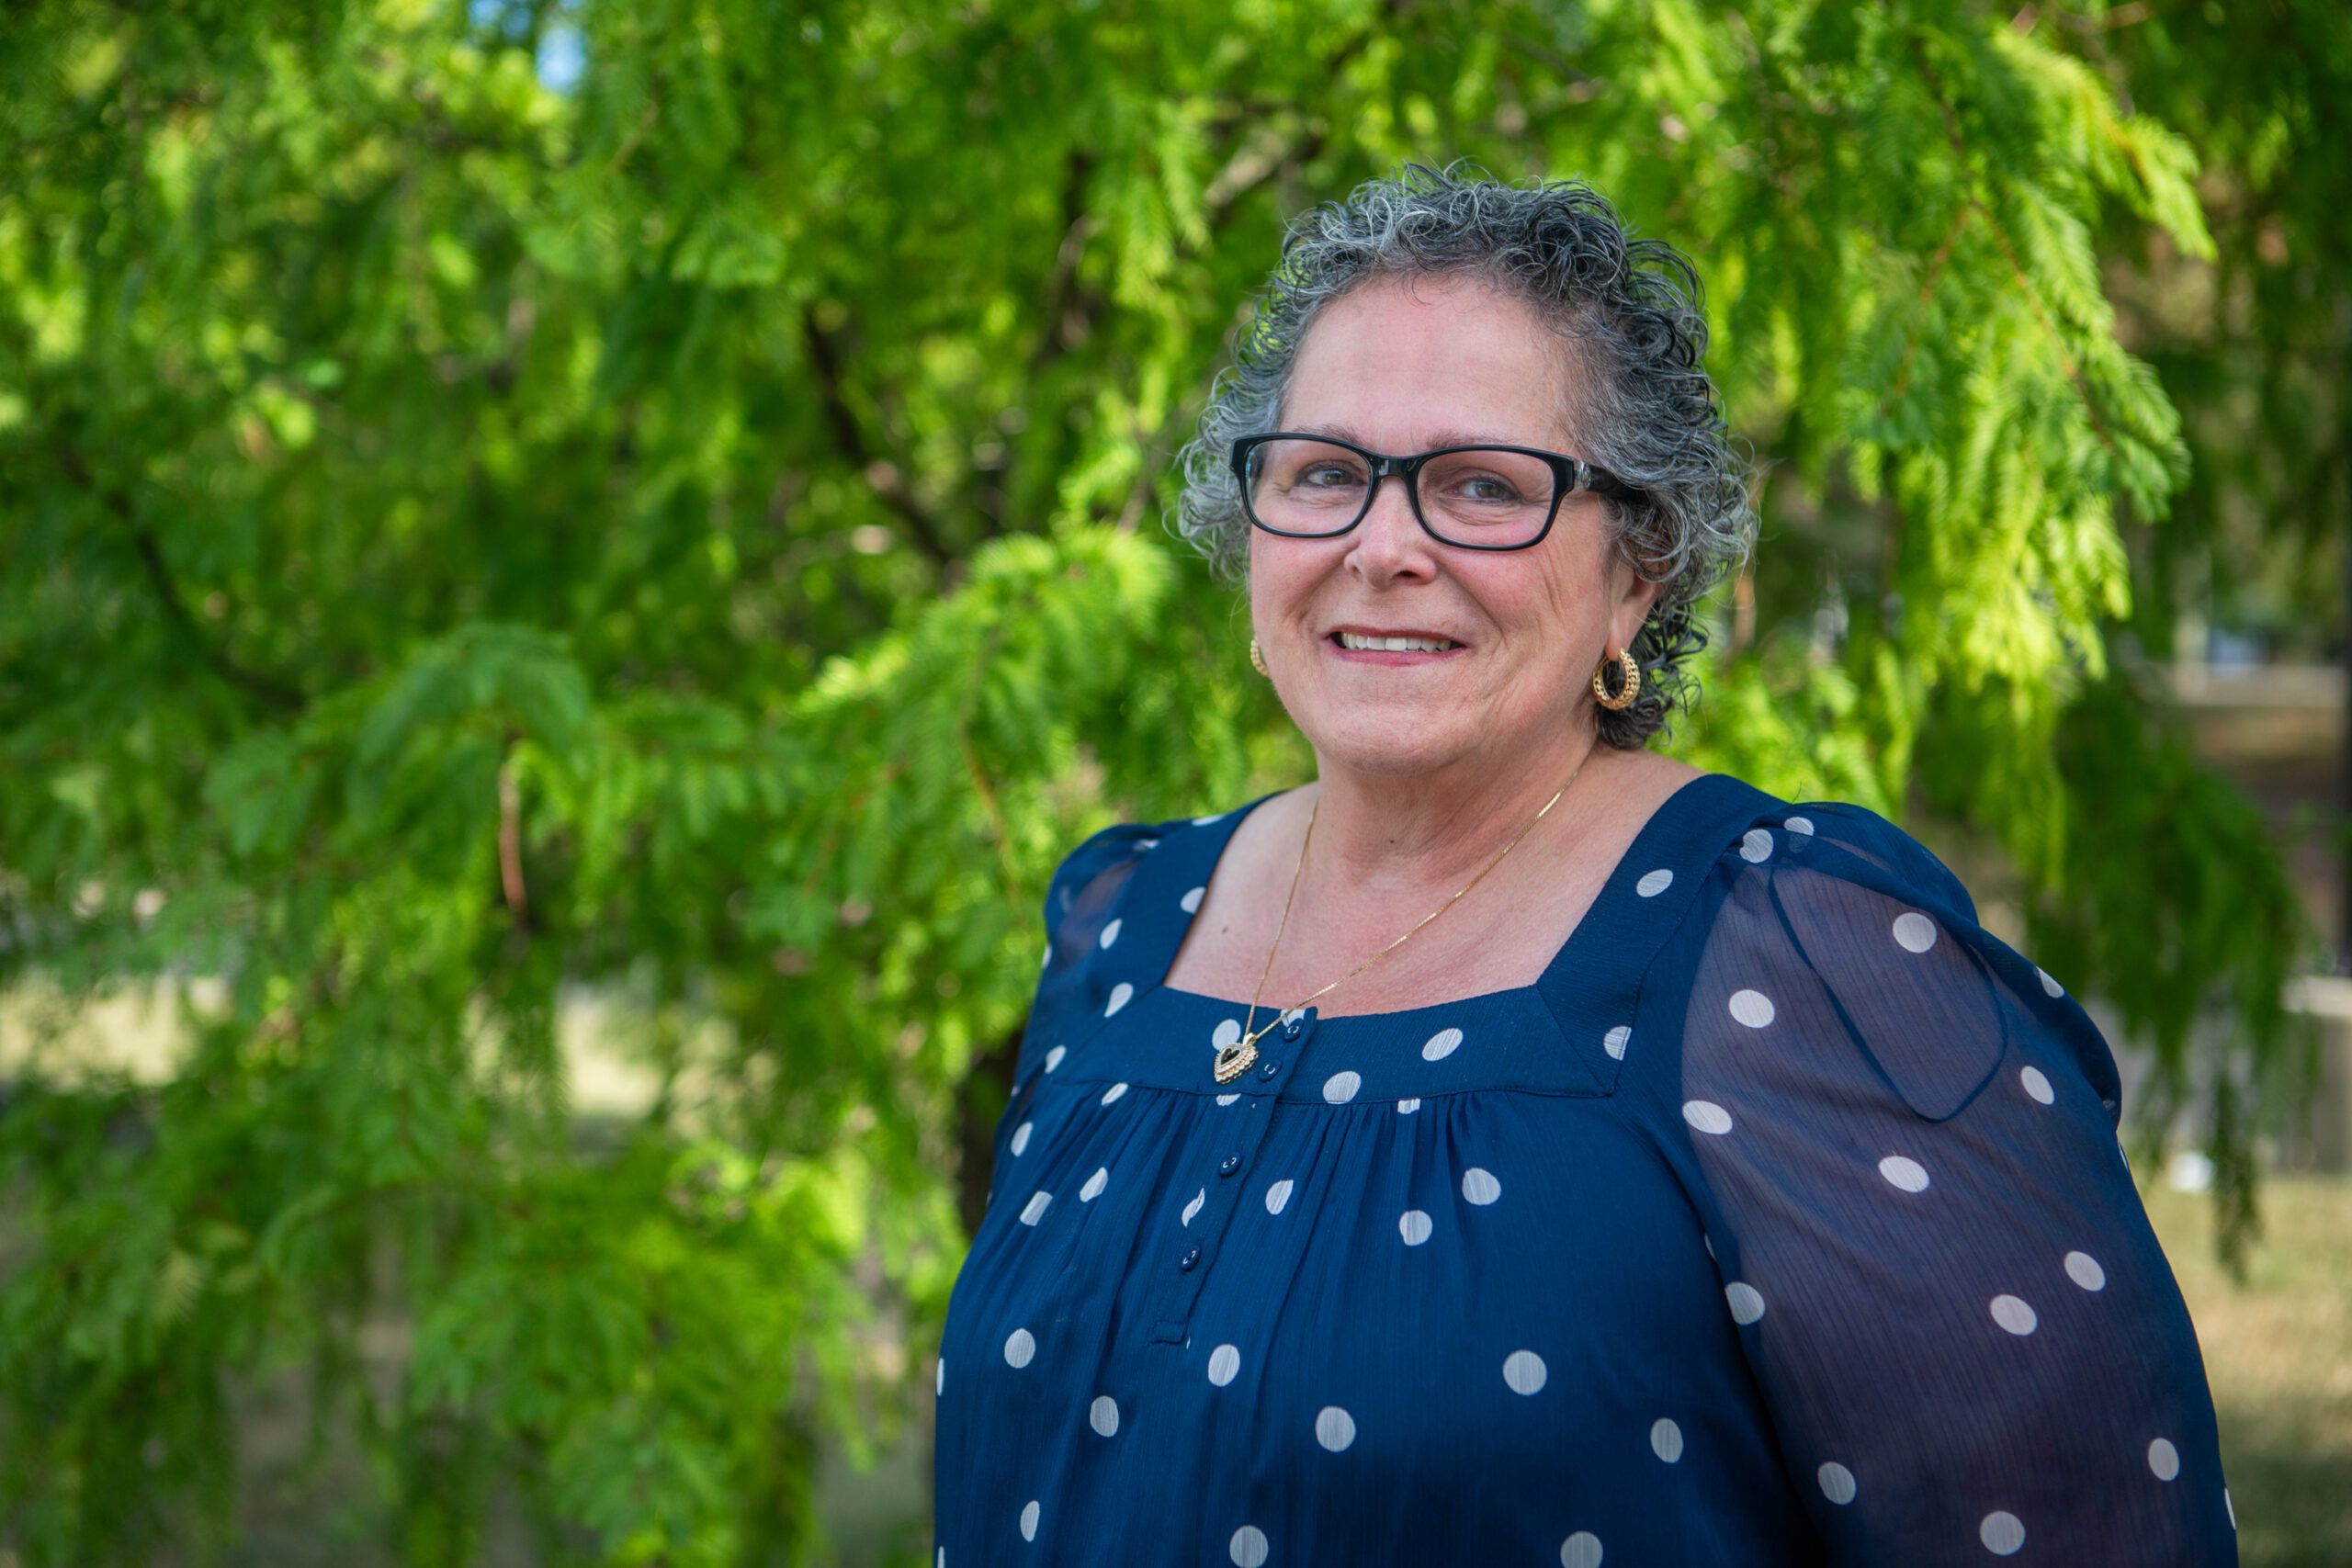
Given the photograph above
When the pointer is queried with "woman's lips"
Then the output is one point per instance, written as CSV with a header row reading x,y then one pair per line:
x,y
1386,656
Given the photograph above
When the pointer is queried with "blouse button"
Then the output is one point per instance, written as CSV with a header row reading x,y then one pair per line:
x,y
1191,1256
1229,1164
1268,1066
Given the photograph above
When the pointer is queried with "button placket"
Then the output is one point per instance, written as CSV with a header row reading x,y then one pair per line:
x,y
1195,1247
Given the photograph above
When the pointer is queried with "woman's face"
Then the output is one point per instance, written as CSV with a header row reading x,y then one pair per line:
x,y
1402,366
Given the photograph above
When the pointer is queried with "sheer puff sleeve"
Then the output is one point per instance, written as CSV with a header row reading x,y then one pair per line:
x,y
1081,903
1904,1135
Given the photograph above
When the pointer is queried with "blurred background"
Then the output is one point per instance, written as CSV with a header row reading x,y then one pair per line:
x,y
568,569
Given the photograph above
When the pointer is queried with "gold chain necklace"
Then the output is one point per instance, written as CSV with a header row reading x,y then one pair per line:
x,y
1233,1059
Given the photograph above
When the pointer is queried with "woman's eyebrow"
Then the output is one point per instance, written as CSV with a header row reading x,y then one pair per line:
x,y
1436,439
1474,438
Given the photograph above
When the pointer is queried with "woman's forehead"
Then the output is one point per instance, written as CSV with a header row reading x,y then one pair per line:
x,y
1430,362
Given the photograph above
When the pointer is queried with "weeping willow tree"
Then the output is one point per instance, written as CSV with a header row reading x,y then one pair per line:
x,y
664,496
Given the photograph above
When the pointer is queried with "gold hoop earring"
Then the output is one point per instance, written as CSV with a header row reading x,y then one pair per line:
x,y
1258,659
1632,675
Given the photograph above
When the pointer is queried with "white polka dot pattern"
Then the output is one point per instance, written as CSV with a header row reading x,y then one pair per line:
x,y
1707,1116
1814,1009
2049,985
1908,1174
1334,1428
2002,1533
1913,931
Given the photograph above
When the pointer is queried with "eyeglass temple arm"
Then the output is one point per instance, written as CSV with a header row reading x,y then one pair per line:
x,y
1601,481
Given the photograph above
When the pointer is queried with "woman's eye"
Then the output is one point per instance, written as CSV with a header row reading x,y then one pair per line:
x,y
1325,475
1485,487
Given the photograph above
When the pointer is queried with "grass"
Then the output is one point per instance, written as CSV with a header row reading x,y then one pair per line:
x,y
2279,1355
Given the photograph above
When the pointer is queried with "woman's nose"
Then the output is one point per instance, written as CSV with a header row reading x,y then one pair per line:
x,y
1390,537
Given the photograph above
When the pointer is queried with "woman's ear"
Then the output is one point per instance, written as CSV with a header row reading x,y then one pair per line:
x,y
1636,596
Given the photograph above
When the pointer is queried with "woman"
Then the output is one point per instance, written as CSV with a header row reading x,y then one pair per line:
x,y
1702,1185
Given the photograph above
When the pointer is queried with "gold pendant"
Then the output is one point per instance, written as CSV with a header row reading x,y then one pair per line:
x,y
1233,1060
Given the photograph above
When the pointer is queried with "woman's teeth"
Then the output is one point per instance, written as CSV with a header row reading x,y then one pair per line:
x,y
1397,644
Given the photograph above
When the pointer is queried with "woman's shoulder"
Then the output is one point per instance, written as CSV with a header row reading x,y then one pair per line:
x,y
1828,920
1765,839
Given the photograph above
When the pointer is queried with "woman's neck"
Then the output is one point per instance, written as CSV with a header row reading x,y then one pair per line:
x,y
1388,833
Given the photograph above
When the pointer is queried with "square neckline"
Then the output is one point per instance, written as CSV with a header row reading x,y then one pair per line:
x,y
1654,829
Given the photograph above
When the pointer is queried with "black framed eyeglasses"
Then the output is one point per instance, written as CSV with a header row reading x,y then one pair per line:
x,y
1477,498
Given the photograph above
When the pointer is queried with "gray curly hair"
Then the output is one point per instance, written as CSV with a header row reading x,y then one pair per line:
x,y
1646,409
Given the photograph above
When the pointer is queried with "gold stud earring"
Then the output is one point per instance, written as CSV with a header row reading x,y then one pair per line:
x,y
1258,659
1632,676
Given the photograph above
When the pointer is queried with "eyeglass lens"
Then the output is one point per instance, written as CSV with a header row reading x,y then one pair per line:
x,y
1478,496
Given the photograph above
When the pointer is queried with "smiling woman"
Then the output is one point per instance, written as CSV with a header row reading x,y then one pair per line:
x,y
1711,1188
1592,342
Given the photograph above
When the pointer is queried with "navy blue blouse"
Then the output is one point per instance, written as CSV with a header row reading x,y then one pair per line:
x,y
1783,1220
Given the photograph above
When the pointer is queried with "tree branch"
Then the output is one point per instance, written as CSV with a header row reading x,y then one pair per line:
x,y
263,688
888,481
2008,249
1069,314
1926,298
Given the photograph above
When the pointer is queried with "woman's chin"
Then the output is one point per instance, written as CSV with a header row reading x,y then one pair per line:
x,y
1396,739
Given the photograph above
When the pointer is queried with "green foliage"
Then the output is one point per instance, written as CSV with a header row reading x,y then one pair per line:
x,y
473,534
